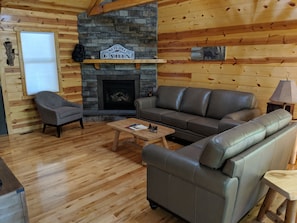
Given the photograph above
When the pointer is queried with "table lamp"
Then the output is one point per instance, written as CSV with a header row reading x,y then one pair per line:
x,y
285,92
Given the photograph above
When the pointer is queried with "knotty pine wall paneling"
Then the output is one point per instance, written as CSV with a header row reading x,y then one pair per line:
x,y
21,113
260,39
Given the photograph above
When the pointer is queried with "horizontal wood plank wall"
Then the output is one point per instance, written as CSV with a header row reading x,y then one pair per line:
x,y
260,39
21,114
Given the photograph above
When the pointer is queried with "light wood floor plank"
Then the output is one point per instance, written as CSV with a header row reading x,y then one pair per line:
x,y
77,178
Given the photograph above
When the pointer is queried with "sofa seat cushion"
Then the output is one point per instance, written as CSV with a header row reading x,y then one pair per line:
x,y
223,102
231,142
67,111
177,119
195,101
154,114
170,97
204,126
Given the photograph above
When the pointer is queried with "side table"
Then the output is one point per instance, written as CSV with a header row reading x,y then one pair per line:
x,y
13,207
282,182
271,106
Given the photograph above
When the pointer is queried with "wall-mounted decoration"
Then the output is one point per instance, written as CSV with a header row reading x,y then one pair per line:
x,y
117,51
9,52
78,54
208,53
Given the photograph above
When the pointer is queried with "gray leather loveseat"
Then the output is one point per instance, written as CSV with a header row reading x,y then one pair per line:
x,y
196,113
218,179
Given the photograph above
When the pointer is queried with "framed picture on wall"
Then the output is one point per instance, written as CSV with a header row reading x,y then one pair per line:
x,y
208,53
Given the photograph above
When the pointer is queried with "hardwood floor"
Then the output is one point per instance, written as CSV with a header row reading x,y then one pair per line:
x,y
77,178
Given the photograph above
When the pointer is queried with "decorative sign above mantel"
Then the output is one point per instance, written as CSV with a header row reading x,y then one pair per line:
x,y
117,54
117,51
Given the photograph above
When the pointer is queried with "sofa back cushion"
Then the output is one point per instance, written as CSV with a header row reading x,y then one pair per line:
x,y
195,101
274,121
170,97
230,143
223,102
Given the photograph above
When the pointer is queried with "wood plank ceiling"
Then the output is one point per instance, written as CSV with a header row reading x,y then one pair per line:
x,y
92,7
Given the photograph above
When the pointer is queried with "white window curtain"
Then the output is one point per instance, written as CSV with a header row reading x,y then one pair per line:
x,y
40,63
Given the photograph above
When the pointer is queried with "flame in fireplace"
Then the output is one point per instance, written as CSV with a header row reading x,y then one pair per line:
x,y
120,96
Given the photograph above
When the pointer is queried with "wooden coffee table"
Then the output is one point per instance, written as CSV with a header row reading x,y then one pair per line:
x,y
145,134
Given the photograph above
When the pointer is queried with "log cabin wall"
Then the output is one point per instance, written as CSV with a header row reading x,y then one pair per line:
x,y
21,114
260,39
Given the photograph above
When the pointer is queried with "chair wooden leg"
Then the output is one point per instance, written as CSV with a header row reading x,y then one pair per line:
x,y
81,123
59,131
44,126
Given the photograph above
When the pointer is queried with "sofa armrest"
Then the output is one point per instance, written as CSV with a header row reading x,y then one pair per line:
x,y
187,169
236,118
244,115
146,102
228,123
72,104
47,114
160,157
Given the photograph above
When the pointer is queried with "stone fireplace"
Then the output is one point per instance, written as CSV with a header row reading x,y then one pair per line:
x,y
112,89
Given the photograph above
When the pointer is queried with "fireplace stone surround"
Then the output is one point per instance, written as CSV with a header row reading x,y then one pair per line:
x,y
134,28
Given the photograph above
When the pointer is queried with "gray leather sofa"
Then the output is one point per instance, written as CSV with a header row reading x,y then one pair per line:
x,y
218,179
196,113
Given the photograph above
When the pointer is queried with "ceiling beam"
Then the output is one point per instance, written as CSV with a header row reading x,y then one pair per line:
x,y
99,8
93,5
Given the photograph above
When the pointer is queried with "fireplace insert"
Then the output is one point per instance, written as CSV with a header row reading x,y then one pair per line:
x,y
118,94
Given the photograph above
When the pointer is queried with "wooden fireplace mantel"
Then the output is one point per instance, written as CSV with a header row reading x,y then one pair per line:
x,y
137,62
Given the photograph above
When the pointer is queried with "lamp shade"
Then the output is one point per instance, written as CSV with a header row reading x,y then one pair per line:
x,y
285,92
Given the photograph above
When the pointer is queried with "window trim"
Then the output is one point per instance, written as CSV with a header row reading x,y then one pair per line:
x,y
21,60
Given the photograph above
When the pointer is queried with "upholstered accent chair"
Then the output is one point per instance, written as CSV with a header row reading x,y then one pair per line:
x,y
54,110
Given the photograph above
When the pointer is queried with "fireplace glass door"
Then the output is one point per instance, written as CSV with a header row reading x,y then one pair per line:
x,y
118,94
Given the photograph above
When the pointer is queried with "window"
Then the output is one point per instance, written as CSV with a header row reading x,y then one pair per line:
x,y
39,62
